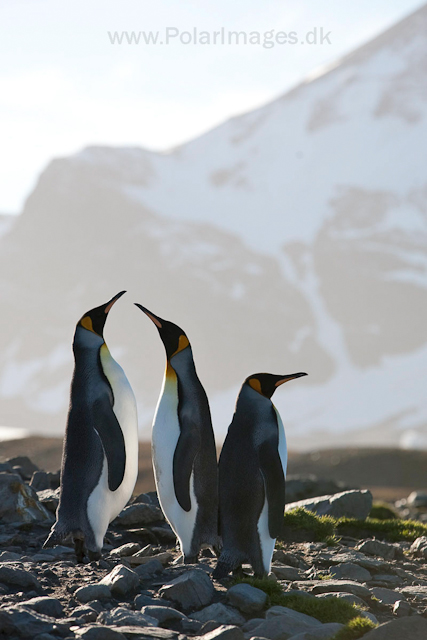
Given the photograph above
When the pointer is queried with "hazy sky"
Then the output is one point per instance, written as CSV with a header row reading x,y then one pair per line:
x,y
63,85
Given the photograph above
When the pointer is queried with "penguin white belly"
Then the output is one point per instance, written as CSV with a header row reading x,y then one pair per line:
x,y
266,541
104,505
165,435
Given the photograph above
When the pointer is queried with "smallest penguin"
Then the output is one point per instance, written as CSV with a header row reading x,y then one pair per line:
x,y
252,472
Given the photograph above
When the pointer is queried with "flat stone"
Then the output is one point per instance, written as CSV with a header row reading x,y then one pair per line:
x,y
350,571
325,632
121,617
148,570
126,550
139,514
162,614
349,504
85,613
385,580
12,575
378,548
19,502
121,580
17,620
386,596
164,558
224,632
219,613
348,597
371,564
99,633
23,465
325,586
247,598
415,591
191,590
282,623
143,633
91,592
283,572
43,604
413,628
142,600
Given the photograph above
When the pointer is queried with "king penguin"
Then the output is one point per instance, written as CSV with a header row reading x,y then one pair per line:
x,y
183,447
252,472
100,454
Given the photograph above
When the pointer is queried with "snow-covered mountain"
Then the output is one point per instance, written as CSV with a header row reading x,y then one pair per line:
x,y
290,238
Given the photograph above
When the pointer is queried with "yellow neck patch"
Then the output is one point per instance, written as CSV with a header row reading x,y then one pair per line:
x,y
86,322
255,384
183,343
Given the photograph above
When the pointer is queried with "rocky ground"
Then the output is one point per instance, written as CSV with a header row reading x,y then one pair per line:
x,y
141,590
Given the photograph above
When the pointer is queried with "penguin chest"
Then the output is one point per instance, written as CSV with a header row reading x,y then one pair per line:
x,y
266,541
103,504
165,435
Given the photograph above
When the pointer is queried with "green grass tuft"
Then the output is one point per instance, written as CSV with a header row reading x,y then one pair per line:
x,y
355,629
326,529
383,511
324,609
321,527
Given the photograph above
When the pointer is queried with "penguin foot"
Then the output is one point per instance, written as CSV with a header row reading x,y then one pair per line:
x,y
191,559
238,572
79,548
94,555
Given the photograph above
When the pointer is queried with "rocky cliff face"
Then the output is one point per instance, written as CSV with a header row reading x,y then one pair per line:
x,y
290,238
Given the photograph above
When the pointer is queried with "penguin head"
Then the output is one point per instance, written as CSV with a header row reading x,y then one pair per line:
x,y
267,383
94,320
173,337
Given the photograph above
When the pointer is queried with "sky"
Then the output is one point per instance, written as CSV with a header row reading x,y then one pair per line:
x,y
64,85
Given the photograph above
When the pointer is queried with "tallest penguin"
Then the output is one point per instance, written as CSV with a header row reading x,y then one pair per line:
x,y
100,456
183,447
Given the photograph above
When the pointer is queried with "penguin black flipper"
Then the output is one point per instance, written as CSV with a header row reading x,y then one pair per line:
x,y
186,449
108,428
274,481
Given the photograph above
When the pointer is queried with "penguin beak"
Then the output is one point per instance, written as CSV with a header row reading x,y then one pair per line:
x,y
290,377
152,317
112,301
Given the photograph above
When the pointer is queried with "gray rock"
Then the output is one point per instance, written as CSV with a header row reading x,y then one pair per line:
x,y
13,575
125,550
371,564
378,548
413,628
386,596
282,572
121,617
23,465
282,623
303,487
325,632
99,633
386,580
18,502
49,498
138,514
91,592
350,504
415,591
325,586
162,614
146,633
247,598
9,556
149,569
350,571
17,620
43,604
224,632
85,613
369,616
191,590
42,480
121,580
417,499
402,608
349,597
419,547
219,613
143,600
290,559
